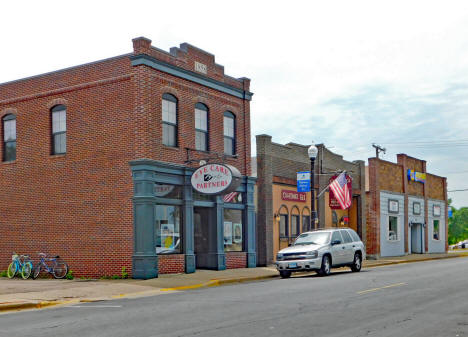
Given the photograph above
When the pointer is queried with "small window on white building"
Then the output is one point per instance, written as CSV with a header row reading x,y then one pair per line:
x,y
436,230
392,228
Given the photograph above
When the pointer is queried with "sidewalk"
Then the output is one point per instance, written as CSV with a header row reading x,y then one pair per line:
x,y
17,294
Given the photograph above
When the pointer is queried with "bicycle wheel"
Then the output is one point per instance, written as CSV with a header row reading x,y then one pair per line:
x,y
37,271
26,270
60,270
12,270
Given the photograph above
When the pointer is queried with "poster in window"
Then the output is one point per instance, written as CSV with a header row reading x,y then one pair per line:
x,y
436,210
228,233
167,236
237,230
416,208
393,206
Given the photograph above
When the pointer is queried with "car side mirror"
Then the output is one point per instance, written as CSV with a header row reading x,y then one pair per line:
x,y
335,242
289,245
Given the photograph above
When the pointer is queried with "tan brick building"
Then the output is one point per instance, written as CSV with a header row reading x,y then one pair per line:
x,y
406,208
282,212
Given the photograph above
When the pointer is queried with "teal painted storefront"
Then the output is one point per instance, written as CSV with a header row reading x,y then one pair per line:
x,y
146,175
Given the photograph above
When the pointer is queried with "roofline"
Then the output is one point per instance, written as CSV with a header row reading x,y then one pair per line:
x,y
65,69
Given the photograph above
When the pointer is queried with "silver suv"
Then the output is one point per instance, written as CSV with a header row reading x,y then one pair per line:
x,y
320,250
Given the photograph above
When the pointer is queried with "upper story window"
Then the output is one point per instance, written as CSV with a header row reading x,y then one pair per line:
x,y
169,120
229,133
201,127
9,138
59,129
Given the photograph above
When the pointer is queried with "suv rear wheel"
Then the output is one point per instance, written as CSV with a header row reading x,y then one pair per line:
x,y
357,263
326,266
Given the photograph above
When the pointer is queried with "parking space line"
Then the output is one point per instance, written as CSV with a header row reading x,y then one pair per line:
x,y
384,287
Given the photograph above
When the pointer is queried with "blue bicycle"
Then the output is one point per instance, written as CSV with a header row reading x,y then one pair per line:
x,y
52,265
20,264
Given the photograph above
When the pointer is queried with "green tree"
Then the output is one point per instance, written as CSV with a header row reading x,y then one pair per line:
x,y
458,225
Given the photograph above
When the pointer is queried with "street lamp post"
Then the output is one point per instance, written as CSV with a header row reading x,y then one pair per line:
x,y
312,155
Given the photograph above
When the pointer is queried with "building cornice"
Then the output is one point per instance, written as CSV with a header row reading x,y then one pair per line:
x,y
143,59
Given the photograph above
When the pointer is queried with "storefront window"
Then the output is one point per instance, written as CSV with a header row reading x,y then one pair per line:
x,y
233,198
435,233
294,226
168,191
233,230
392,228
167,229
203,197
283,225
305,223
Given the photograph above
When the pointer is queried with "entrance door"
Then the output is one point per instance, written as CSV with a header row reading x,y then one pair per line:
x,y
416,238
204,237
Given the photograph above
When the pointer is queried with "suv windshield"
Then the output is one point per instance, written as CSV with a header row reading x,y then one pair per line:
x,y
318,238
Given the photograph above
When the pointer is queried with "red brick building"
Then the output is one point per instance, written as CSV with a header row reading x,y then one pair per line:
x,y
406,208
97,159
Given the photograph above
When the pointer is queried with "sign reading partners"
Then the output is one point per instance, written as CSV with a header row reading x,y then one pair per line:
x,y
303,181
216,179
332,202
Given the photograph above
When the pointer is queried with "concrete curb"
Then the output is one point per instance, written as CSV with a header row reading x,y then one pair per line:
x,y
218,282
28,305
411,261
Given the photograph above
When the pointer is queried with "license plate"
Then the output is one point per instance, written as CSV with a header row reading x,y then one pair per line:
x,y
292,265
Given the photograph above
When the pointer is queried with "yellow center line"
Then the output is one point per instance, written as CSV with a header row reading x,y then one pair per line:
x,y
385,287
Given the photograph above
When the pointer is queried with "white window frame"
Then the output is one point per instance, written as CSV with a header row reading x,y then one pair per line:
x,y
388,228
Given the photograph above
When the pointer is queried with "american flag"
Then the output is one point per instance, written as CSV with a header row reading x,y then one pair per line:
x,y
229,197
339,186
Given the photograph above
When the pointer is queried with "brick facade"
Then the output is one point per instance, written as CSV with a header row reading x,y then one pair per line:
x,y
171,264
79,204
391,178
236,260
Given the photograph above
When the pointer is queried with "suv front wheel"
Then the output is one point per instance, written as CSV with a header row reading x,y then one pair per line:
x,y
357,263
326,266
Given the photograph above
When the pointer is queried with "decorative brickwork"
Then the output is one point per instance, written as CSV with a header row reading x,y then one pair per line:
x,y
236,260
171,264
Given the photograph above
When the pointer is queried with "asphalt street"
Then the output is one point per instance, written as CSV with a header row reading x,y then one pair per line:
x,y
416,299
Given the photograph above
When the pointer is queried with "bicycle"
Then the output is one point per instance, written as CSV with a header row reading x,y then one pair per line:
x,y
59,269
25,266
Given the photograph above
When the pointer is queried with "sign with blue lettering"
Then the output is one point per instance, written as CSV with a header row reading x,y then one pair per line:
x,y
450,213
303,181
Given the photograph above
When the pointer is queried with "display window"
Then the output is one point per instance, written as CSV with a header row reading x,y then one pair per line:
x,y
233,230
393,228
167,230
436,230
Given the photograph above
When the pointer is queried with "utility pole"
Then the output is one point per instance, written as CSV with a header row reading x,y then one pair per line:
x,y
378,149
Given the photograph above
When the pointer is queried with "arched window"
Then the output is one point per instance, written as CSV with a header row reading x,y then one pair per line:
x,y
295,224
305,219
9,137
229,133
169,120
283,222
59,129
201,127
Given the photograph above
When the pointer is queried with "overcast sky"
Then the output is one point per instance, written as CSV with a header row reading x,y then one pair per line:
x,y
343,73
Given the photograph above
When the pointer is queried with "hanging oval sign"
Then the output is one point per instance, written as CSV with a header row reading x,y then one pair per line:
x,y
216,179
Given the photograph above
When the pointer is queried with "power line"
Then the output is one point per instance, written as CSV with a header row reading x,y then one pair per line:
x,y
466,189
428,142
